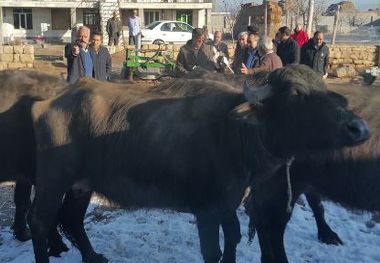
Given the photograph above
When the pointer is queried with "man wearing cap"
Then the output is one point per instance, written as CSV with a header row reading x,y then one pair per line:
x,y
194,55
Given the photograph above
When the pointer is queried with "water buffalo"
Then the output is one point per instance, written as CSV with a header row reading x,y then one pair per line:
x,y
349,177
195,154
18,90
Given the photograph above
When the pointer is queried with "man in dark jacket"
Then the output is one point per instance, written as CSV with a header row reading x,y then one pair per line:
x,y
288,50
79,57
113,29
195,55
315,54
101,58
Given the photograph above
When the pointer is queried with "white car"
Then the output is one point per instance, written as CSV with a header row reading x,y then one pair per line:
x,y
165,32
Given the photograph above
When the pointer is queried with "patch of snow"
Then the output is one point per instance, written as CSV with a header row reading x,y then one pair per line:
x,y
167,236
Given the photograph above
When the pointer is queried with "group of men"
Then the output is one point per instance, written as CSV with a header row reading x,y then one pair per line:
x,y
254,53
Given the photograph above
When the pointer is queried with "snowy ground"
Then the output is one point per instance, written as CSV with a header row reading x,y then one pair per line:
x,y
165,236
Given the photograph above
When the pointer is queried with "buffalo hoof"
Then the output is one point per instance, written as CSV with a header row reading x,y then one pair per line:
x,y
97,258
329,237
56,249
22,234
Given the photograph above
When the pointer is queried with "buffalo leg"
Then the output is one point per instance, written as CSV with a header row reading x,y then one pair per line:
x,y
72,216
232,236
325,233
22,202
208,229
42,218
55,243
270,216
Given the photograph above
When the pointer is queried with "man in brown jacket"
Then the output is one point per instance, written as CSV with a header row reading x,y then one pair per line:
x,y
268,59
195,55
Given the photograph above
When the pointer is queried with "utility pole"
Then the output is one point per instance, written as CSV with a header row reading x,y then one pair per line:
x,y
310,18
1,26
266,18
336,20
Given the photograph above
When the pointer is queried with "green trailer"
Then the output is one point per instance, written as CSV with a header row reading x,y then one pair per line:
x,y
148,64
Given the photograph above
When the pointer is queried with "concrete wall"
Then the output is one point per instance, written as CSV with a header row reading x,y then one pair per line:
x,y
18,56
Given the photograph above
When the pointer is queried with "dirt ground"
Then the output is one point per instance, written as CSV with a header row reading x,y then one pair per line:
x,y
50,60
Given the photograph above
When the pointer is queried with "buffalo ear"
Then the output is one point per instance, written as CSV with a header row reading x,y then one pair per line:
x,y
245,113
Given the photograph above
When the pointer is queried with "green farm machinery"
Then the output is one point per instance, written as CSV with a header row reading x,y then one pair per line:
x,y
148,64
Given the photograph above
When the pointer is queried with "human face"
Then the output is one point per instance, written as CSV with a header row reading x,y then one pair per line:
x,y
318,39
243,41
217,37
84,36
134,13
252,42
96,41
197,42
298,28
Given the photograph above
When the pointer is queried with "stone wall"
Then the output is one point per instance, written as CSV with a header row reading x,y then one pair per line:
x,y
347,60
17,56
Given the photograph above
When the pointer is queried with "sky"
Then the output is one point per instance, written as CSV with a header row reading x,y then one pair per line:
x,y
360,4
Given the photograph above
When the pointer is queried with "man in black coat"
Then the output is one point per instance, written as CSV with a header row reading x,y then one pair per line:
x,y
288,50
315,54
101,58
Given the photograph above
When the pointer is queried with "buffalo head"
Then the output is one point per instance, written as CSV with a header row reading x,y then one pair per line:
x,y
298,115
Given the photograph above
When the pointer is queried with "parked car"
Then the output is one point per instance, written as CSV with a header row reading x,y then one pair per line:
x,y
165,32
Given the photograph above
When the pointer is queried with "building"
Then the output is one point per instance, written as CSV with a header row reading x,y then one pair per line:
x,y
54,18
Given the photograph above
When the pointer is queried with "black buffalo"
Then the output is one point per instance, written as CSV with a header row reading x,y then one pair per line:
x,y
195,154
349,177
18,90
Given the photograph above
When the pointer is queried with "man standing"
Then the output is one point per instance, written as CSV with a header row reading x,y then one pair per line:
x,y
195,55
288,50
315,54
301,37
101,58
134,26
268,58
240,51
79,58
251,57
219,44
113,29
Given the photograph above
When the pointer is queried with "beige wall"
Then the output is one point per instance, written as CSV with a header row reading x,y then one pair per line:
x,y
39,15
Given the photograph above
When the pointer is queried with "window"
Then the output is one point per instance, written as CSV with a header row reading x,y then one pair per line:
x,y
183,27
91,19
152,25
168,27
22,18
151,16
60,19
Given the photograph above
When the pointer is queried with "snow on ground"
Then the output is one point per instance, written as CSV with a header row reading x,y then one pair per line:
x,y
150,236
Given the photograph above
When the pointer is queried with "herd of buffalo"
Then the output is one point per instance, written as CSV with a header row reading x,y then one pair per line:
x,y
204,144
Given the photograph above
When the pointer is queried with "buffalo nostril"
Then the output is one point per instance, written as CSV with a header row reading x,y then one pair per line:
x,y
358,130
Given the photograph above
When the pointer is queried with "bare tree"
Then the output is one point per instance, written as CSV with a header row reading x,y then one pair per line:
x,y
299,9
232,10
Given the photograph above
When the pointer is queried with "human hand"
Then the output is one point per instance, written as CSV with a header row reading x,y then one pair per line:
x,y
244,69
325,76
75,50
